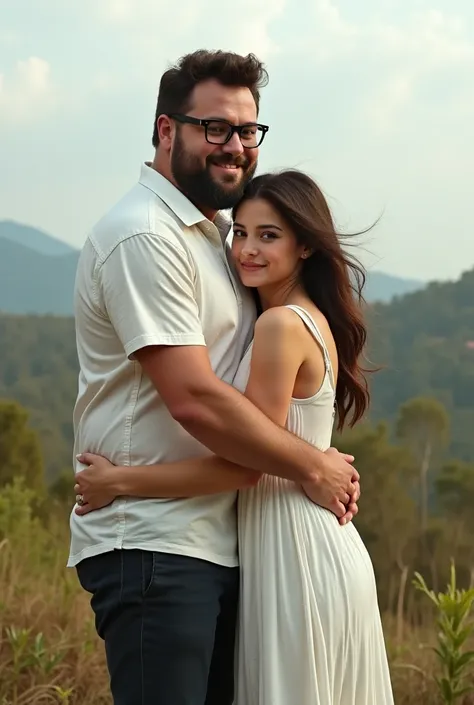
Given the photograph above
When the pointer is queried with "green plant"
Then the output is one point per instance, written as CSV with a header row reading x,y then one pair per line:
x,y
455,628
64,694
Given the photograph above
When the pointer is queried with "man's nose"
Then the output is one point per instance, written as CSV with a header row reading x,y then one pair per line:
x,y
233,146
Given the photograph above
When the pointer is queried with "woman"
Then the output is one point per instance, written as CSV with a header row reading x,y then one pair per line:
x,y
310,630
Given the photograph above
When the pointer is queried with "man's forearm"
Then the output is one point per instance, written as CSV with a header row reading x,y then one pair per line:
x,y
232,427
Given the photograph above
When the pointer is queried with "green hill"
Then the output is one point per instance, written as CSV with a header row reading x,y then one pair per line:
x,y
425,340
31,282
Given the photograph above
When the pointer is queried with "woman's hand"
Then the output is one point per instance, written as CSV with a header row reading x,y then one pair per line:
x,y
96,484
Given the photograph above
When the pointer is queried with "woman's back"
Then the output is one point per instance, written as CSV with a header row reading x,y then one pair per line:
x,y
312,418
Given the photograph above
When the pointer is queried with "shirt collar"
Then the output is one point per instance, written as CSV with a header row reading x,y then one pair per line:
x,y
182,207
172,196
223,223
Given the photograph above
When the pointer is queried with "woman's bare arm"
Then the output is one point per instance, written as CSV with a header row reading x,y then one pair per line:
x,y
101,482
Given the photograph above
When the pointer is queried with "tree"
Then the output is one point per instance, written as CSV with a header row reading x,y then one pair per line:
x,y
455,495
20,450
423,426
455,489
387,516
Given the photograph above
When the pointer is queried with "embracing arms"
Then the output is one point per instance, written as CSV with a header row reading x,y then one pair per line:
x,y
247,430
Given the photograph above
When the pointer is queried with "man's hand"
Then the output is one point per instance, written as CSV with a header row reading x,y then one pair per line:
x,y
338,487
352,509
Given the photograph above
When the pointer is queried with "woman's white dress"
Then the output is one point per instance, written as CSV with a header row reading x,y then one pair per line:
x,y
310,630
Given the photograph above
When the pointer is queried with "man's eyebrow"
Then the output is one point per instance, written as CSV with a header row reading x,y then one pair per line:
x,y
230,122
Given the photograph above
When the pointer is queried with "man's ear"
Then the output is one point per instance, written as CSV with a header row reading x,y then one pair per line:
x,y
166,128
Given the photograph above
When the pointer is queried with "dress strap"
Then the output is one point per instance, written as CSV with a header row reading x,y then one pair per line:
x,y
310,323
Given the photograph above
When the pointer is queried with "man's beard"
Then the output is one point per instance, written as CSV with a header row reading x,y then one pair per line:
x,y
197,182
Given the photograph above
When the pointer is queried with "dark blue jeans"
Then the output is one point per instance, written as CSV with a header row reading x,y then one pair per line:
x,y
168,622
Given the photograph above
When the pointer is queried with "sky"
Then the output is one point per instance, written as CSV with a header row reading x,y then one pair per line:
x,y
374,99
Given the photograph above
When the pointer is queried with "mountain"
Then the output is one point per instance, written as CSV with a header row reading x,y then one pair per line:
x,y
37,274
33,238
35,283
384,287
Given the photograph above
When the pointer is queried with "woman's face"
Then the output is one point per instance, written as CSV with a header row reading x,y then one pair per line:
x,y
264,247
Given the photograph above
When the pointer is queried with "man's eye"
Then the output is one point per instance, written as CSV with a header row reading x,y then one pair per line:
x,y
217,129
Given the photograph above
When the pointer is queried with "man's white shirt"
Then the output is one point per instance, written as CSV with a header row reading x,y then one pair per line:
x,y
154,271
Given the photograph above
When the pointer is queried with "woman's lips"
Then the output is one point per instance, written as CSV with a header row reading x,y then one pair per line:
x,y
251,266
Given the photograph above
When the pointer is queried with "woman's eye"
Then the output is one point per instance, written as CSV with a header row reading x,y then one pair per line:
x,y
269,236
239,233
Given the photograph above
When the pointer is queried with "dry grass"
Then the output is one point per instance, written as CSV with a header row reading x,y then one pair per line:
x,y
49,652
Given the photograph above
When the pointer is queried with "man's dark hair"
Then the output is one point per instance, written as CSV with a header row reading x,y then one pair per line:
x,y
230,69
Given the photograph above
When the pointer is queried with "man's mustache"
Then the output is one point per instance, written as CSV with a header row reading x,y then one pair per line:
x,y
240,161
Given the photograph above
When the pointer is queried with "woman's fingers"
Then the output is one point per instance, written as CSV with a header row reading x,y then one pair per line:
x,y
85,509
86,458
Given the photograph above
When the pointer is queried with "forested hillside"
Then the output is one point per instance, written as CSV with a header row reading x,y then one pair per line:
x,y
424,341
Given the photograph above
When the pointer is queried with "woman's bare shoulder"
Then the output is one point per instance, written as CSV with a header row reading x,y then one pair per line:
x,y
279,321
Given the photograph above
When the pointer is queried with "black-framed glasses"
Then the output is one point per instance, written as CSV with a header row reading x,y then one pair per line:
x,y
220,131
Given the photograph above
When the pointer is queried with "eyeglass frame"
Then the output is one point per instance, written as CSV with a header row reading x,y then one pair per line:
x,y
189,120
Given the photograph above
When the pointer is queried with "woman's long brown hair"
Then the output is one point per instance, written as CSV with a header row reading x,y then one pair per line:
x,y
332,279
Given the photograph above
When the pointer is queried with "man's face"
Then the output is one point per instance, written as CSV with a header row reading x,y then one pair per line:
x,y
214,176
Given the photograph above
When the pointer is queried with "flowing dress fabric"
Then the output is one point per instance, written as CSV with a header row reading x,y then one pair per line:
x,y
310,631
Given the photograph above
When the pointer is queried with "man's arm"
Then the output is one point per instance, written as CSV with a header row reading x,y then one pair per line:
x,y
148,290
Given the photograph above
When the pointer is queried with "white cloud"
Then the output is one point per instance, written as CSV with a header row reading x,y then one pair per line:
x,y
432,38
429,43
328,15
255,35
152,29
28,93
8,37
386,104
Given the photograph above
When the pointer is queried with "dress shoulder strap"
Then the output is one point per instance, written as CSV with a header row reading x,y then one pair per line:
x,y
312,326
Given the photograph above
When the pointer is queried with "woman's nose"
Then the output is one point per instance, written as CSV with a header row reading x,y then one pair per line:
x,y
249,249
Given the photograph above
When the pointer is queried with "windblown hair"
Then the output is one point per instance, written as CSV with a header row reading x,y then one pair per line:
x,y
230,69
332,279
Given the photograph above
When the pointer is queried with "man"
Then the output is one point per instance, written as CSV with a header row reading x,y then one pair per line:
x,y
162,324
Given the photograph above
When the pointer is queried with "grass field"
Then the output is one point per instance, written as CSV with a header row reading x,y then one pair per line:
x,y
49,652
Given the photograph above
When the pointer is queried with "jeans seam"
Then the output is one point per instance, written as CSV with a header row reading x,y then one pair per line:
x,y
121,579
142,665
146,588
